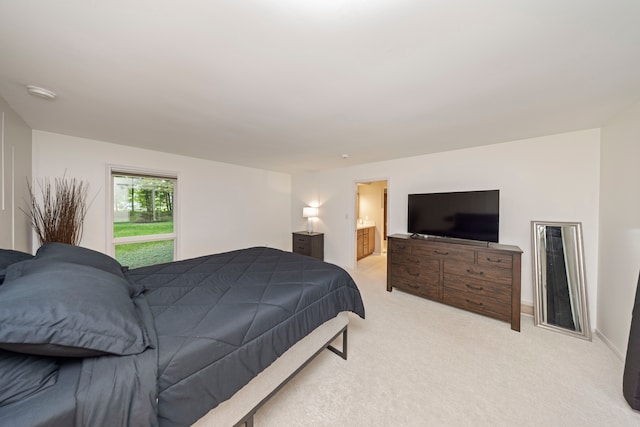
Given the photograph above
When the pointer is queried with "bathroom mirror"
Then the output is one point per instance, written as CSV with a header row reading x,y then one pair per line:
x,y
559,280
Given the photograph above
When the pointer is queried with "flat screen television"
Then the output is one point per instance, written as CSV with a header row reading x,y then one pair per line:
x,y
472,215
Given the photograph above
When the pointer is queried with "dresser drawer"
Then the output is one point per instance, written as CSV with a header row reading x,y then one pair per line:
x,y
429,290
399,247
479,288
415,274
478,304
467,255
491,259
494,274
427,263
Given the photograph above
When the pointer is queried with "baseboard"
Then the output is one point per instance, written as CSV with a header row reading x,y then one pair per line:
x,y
610,345
526,309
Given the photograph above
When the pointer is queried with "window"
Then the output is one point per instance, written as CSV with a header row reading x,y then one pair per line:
x,y
143,231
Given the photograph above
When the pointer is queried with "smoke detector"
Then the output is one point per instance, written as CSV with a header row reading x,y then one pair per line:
x,y
41,92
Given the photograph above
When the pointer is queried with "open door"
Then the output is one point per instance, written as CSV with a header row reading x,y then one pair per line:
x,y
370,218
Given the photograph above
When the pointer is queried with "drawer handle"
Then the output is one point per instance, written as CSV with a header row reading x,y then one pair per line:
x,y
301,247
413,274
475,288
441,253
479,304
472,271
413,286
494,260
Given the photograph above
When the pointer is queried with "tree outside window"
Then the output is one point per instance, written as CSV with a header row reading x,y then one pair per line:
x,y
143,219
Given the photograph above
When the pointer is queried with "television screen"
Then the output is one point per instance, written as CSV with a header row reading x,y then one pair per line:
x,y
472,215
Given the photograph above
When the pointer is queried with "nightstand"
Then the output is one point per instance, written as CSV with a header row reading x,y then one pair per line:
x,y
310,244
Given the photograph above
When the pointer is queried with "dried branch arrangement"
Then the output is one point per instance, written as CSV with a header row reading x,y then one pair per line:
x,y
58,215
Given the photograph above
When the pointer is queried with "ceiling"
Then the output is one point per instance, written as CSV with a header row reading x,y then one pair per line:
x,y
292,85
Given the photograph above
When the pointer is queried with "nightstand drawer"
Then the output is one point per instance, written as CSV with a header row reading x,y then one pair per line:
x,y
310,244
302,248
302,244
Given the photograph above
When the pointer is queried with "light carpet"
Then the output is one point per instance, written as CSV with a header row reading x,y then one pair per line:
x,y
415,362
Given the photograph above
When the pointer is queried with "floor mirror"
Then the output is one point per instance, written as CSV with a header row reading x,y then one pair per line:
x,y
559,279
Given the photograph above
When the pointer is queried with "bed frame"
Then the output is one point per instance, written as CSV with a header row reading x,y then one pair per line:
x,y
240,409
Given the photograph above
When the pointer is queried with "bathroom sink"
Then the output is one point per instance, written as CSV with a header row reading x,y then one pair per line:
x,y
365,224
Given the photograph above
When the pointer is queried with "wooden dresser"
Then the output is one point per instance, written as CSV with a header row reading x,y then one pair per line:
x,y
475,276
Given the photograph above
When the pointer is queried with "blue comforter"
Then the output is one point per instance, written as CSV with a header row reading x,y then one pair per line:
x,y
222,319
213,324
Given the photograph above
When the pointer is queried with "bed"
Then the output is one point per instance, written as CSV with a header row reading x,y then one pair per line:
x,y
205,340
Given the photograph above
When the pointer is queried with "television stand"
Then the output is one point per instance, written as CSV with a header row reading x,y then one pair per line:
x,y
476,276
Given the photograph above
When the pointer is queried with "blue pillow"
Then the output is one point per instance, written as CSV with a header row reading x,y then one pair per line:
x,y
53,253
63,309
64,252
8,257
22,375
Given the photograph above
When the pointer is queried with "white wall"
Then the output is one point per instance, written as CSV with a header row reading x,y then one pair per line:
x,y
552,178
15,169
221,206
619,249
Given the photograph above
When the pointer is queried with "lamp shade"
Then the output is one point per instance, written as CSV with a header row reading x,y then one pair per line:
x,y
309,212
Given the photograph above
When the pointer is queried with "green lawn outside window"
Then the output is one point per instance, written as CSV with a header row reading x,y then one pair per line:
x,y
134,255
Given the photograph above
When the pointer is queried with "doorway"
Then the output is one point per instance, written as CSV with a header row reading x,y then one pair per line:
x,y
371,219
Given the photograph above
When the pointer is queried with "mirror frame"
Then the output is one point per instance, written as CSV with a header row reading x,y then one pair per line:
x,y
580,274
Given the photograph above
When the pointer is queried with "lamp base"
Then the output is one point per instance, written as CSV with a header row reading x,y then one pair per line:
x,y
309,226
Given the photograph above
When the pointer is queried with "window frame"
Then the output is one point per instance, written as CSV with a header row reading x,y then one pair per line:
x,y
112,241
